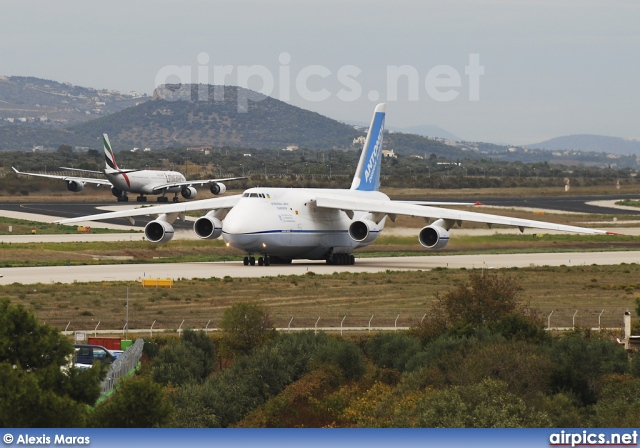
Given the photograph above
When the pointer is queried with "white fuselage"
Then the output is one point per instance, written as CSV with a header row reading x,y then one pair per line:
x,y
144,181
285,222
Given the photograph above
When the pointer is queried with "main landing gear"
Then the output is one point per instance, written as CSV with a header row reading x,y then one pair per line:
x,y
342,259
262,261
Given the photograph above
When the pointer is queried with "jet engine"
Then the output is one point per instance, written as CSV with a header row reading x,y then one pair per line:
x,y
189,192
208,227
75,186
158,231
363,231
433,237
217,188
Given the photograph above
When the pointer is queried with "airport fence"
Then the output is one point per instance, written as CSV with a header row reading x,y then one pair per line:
x,y
122,367
557,320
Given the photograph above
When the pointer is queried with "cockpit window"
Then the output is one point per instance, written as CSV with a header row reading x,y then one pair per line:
x,y
245,195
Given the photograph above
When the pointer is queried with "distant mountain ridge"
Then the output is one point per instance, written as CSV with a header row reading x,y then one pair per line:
x,y
590,143
43,102
424,130
430,130
180,115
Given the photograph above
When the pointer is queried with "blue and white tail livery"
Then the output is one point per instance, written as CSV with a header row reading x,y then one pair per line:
x,y
367,177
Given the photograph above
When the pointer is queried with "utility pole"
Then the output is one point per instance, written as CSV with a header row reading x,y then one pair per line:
x,y
126,335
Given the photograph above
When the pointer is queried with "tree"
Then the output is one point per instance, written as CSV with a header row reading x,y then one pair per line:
x,y
485,299
392,350
65,150
618,405
36,374
488,404
137,403
245,326
180,362
580,365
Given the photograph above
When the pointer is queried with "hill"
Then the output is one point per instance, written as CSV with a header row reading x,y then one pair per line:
x,y
41,102
430,130
170,122
590,143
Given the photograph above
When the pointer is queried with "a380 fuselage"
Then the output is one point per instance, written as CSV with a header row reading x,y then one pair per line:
x,y
286,223
144,181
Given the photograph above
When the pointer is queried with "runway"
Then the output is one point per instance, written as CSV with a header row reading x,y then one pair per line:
x,y
48,212
176,271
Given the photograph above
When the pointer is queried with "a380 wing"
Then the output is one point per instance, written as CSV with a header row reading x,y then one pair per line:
x,y
190,183
204,204
86,180
399,208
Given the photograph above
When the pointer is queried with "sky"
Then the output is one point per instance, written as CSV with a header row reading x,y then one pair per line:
x,y
514,72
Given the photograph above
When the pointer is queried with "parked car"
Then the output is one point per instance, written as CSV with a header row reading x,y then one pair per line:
x,y
87,354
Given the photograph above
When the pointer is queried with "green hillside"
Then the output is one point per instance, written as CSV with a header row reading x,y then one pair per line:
x,y
269,123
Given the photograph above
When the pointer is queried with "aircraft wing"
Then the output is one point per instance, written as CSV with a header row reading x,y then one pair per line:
x,y
86,180
178,207
455,216
190,183
81,170
440,203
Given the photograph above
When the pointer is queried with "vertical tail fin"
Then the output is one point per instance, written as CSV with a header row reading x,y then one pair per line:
x,y
109,158
367,177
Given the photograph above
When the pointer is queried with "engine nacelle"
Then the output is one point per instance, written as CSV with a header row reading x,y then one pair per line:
x,y
75,186
433,237
217,188
363,231
158,231
189,192
208,227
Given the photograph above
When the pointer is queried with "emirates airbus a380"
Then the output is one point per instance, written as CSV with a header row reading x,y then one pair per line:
x,y
141,182
281,224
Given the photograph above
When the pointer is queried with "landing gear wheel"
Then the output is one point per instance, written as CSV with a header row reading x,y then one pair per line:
x,y
267,260
252,261
176,199
141,198
352,260
163,199
260,261
245,261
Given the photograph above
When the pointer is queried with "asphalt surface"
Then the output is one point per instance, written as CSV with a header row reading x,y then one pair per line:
x,y
575,204
135,272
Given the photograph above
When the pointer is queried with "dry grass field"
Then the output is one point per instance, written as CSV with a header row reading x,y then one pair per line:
x,y
406,296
